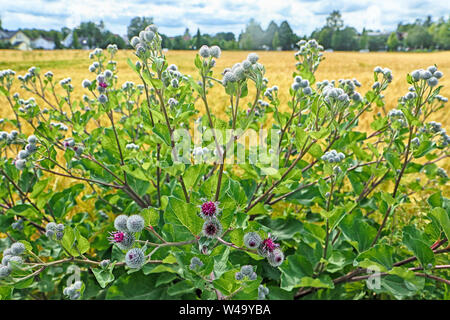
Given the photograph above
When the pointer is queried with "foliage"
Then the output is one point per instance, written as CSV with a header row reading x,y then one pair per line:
x,y
165,225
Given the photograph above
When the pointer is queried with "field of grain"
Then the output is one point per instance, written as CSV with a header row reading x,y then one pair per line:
x,y
279,67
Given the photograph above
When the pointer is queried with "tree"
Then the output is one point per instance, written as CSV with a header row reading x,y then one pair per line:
x,y
287,36
57,40
345,39
275,41
198,39
392,42
418,38
269,35
137,24
253,37
334,20
75,42
364,40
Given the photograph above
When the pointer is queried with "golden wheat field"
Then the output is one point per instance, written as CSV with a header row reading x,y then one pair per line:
x,y
279,68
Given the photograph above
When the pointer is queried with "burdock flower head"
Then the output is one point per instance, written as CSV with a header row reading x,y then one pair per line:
x,y
212,228
123,240
267,246
209,209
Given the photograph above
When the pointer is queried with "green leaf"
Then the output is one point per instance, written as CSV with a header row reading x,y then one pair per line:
x,y
103,276
293,270
413,239
442,217
185,214
151,216
380,254
181,287
358,231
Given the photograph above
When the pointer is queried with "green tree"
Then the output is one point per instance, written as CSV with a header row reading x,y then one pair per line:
x,y
364,40
269,35
392,42
345,39
198,39
137,24
252,37
335,21
275,41
287,36
75,42
418,38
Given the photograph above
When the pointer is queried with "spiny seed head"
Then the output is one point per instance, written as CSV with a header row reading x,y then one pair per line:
x,y
438,74
86,83
432,82
425,74
104,263
209,209
253,57
32,139
23,154
267,246
252,240
123,240
215,52
247,270
4,271
108,73
15,261
432,69
6,258
102,98
229,77
276,257
120,223
20,164
17,248
246,64
204,51
307,91
135,223
149,36
135,258
212,228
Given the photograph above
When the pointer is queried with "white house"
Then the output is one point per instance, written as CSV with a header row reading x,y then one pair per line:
x,y
67,42
43,43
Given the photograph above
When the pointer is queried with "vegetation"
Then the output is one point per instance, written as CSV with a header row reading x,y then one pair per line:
x,y
323,211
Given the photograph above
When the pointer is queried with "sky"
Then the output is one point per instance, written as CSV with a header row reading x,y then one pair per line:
x,y
212,16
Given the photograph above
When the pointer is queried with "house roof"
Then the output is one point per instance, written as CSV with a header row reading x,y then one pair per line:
x,y
6,34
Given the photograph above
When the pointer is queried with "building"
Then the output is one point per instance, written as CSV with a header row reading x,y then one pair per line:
x,y
84,42
17,39
43,43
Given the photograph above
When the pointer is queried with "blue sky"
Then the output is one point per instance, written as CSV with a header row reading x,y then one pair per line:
x,y
211,16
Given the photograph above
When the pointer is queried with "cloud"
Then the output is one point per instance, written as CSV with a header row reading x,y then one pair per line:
x,y
173,16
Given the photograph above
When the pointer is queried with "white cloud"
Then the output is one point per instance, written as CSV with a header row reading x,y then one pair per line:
x,y
213,16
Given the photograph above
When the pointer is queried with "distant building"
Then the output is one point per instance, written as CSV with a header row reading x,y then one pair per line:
x,y
43,43
17,39
68,41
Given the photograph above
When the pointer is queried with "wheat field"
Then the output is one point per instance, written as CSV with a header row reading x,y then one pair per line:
x,y
279,68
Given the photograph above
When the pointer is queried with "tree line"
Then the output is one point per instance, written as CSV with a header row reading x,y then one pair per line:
x,y
335,35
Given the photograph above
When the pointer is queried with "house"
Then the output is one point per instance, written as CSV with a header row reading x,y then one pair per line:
x,y
18,39
43,43
84,42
